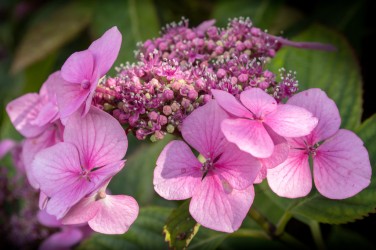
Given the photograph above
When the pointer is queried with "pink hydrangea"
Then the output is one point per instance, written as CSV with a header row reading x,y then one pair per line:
x,y
341,166
256,115
221,188
82,71
91,152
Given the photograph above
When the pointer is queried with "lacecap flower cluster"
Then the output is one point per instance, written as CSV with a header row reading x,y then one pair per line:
x,y
209,85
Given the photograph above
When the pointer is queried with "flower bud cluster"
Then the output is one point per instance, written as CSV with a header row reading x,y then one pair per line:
x,y
175,73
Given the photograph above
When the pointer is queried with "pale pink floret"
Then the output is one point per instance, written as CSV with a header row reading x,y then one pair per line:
x,y
341,166
248,128
221,188
107,214
91,153
81,72
32,113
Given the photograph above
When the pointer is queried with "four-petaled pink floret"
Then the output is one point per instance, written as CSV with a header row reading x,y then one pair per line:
x,y
221,187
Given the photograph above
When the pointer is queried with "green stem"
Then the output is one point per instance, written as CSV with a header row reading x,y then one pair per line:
x,y
271,229
316,234
250,233
281,225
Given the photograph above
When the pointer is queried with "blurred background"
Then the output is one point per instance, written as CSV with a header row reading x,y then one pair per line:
x,y
37,36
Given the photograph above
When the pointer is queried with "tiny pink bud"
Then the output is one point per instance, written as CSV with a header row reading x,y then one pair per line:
x,y
243,77
167,110
221,73
168,94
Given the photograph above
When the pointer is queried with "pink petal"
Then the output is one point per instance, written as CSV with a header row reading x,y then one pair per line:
x,y
88,102
292,178
47,220
280,152
261,175
106,49
47,113
63,240
43,199
82,212
34,145
47,91
218,206
70,96
57,170
237,167
291,121
258,102
116,215
341,166
99,137
177,173
23,111
201,129
321,106
229,103
5,146
78,67
102,174
250,136
202,27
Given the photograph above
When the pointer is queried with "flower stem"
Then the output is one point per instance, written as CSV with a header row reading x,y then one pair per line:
x,y
316,234
281,225
250,233
271,229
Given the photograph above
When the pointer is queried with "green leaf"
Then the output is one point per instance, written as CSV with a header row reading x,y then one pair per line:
x,y
342,238
136,20
137,177
337,73
262,13
180,227
145,233
207,239
319,208
49,34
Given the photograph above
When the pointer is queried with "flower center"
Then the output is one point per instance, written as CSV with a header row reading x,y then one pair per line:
x,y
209,165
85,84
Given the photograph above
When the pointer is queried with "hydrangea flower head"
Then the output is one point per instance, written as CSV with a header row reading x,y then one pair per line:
x,y
221,187
82,70
255,115
341,166
91,152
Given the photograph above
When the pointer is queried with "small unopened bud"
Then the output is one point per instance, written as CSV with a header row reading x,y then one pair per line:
x,y
170,128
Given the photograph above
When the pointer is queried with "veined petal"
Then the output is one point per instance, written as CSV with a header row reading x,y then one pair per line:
x,y
34,145
229,103
321,106
292,178
237,167
106,49
250,136
291,121
23,111
82,212
341,166
218,206
57,169
78,67
201,129
116,214
280,152
258,102
98,136
70,96
177,173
